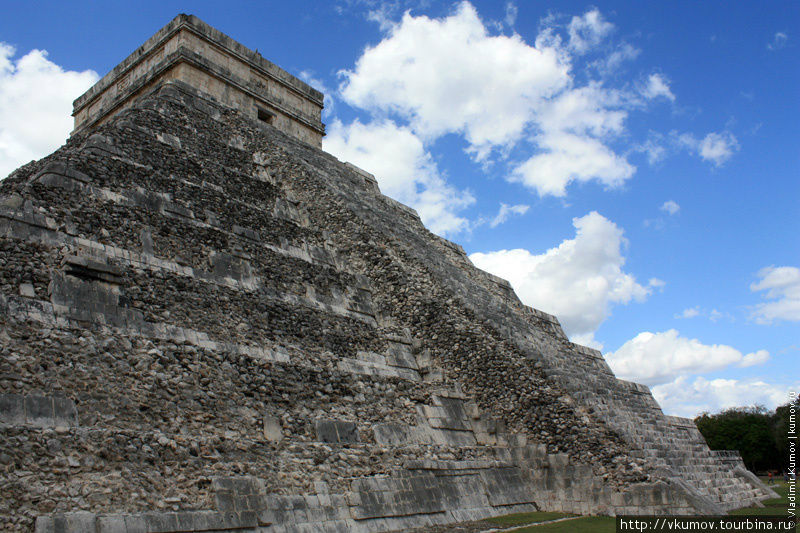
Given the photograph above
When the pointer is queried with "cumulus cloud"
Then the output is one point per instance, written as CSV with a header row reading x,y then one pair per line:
x,y
506,211
657,87
329,102
779,40
578,281
404,170
690,312
511,14
449,75
569,157
657,358
654,148
718,147
715,148
713,315
614,60
689,398
782,286
756,358
35,105
671,207
573,128
587,31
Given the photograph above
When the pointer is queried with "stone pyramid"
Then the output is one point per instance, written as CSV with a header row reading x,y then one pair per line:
x,y
210,324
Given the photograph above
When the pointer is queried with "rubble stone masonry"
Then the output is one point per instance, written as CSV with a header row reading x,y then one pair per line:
x,y
209,324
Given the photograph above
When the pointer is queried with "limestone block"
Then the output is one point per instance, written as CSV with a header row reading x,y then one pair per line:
x,y
65,414
26,290
391,433
506,486
169,140
74,522
39,411
12,409
336,431
111,524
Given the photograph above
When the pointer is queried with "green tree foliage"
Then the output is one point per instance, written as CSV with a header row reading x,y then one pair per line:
x,y
759,435
781,428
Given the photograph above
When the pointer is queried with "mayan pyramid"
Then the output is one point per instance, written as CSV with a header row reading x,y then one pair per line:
x,y
210,324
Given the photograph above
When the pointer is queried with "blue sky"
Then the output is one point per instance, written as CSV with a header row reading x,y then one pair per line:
x,y
632,167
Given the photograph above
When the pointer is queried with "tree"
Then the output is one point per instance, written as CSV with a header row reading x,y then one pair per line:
x,y
751,430
780,429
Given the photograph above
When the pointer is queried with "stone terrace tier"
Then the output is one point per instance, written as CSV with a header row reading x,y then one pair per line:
x,y
209,325
190,50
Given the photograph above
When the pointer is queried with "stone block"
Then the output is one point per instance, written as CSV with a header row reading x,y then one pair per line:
x,y
321,487
238,485
391,433
65,414
44,524
160,521
336,431
12,409
76,522
111,524
39,411
273,430
26,290
136,523
225,501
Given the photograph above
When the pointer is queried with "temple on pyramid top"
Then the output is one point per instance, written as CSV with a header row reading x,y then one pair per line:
x,y
190,51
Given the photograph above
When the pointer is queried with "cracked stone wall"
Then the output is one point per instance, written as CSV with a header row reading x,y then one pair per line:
x,y
207,325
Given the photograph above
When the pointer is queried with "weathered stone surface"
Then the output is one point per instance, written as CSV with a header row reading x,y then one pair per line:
x,y
189,50
223,327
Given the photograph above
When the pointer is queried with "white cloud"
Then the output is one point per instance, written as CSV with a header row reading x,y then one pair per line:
x,y
756,358
779,40
783,288
449,75
656,358
689,313
670,206
511,14
714,147
588,31
329,102
506,211
713,315
578,281
654,148
567,158
35,105
614,61
683,397
718,147
657,86
574,127
404,170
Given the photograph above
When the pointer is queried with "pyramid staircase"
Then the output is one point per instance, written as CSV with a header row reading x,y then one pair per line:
x,y
209,326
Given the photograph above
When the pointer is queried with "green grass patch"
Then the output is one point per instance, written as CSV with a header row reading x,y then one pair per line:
x,y
521,519
773,506
588,524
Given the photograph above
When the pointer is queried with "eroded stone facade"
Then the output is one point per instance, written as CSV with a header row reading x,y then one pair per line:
x,y
209,325
189,50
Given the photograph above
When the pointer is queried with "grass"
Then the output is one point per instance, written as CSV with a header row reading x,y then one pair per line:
x,y
521,519
608,524
586,524
774,506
